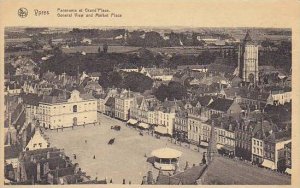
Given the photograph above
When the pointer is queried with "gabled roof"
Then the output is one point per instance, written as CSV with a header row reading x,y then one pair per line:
x,y
110,101
288,145
221,104
163,179
191,175
139,100
94,74
100,96
247,38
31,99
188,177
204,100
11,151
279,136
62,172
14,86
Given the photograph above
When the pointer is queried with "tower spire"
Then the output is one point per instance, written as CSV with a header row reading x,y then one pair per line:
x,y
212,146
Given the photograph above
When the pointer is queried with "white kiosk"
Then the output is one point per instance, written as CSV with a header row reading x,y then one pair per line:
x,y
166,158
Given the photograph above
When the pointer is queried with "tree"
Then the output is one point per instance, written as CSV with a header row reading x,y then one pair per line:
x,y
176,91
137,82
173,90
115,79
162,92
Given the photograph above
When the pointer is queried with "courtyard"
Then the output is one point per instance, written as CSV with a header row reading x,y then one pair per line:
x,y
125,159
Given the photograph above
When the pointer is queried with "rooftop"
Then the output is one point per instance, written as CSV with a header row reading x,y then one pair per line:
x,y
166,153
221,104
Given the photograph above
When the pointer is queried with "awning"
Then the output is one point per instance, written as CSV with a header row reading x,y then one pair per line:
x,y
288,170
219,146
132,121
228,148
202,143
268,164
161,130
144,125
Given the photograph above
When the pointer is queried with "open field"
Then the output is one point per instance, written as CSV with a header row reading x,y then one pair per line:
x,y
94,49
124,159
186,50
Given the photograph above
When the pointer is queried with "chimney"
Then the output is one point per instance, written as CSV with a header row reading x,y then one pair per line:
x,y
262,126
9,138
150,179
32,180
271,131
144,181
31,158
38,171
186,165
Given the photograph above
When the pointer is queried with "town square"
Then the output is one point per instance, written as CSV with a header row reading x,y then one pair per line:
x,y
201,106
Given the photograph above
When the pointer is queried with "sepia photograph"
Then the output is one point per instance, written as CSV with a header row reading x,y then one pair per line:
x,y
146,105
135,93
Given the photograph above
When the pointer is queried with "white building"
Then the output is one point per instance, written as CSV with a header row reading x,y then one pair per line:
x,y
123,103
86,41
37,141
164,117
279,97
66,111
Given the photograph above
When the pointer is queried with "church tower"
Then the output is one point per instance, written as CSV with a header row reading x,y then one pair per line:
x,y
248,60
212,150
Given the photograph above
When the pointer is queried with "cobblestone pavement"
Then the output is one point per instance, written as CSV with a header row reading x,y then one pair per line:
x,y
125,159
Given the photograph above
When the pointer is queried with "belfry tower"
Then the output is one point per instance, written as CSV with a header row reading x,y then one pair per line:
x,y
212,150
248,60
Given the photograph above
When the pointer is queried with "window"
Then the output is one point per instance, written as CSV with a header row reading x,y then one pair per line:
x,y
75,108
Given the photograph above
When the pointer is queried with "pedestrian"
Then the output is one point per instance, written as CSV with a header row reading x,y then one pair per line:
x,y
94,157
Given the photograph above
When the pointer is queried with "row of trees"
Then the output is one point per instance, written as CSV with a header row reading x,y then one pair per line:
x,y
154,39
204,58
281,57
174,90
134,81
